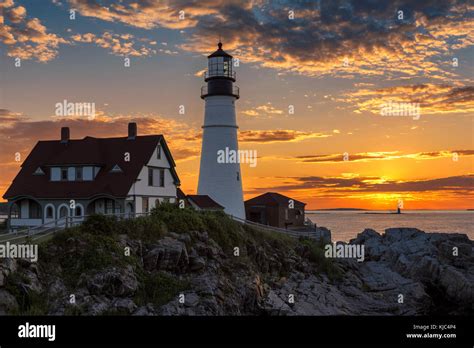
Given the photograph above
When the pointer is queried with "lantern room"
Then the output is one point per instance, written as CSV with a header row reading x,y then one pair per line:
x,y
220,65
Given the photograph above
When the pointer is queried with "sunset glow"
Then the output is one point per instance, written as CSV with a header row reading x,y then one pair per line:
x,y
311,91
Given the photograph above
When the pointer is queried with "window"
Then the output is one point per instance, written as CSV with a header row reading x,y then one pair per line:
x,y
71,174
55,174
15,211
157,203
238,176
145,204
96,171
49,212
87,173
63,212
109,206
34,210
78,211
156,177
150,176
162,177
158,151
79,173
64,174
286,214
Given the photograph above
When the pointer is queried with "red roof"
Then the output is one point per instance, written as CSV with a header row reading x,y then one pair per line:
x,y
204,202
271,198
102,152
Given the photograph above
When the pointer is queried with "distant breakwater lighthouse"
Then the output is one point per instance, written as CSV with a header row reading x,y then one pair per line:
x,y
220,181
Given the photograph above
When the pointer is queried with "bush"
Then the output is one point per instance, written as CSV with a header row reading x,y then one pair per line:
x,y
178,220
145,228
159,288
223,230
82,252
100,224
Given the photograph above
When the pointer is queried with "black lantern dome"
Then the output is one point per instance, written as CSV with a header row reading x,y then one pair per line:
x,y
220,75
220,65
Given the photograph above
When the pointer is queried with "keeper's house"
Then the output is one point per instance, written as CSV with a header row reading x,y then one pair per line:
x,y
70,177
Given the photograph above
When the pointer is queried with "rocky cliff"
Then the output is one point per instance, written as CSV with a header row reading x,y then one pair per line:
x,y
186,263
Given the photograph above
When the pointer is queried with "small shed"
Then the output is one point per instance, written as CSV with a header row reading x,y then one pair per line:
x,y
276,210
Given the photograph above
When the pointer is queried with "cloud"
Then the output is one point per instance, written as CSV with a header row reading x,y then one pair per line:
x,y
326,39
118,44
432,98
149,14
266,110
272,136
462,184
26,38
7,116
371,156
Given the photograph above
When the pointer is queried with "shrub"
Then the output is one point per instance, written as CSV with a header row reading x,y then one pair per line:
x,y
159,288
144,228
178,220
99,224
82,253
223,230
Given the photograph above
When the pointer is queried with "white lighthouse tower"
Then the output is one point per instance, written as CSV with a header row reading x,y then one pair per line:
x,y
220,181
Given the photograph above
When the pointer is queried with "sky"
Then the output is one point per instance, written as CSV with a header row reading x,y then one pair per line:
x,y
321,86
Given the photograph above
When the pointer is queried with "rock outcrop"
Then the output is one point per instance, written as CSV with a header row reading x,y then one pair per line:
x,y
404,272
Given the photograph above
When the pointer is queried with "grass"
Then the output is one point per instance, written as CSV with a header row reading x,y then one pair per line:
x,y
29,302
159,288
82,253
315,254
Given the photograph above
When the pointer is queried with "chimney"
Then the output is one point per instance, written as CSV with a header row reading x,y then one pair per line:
x,y
132,131
64,135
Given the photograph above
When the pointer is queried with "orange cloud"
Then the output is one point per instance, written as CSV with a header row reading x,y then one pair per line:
x,y
119,45
26,38
432,98
266,111
272,136
371,156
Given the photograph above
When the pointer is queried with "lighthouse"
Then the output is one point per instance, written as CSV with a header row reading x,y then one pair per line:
x,y
220,180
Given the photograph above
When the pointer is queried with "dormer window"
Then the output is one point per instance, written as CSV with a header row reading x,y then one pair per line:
x,y
85,173
38,171
116,169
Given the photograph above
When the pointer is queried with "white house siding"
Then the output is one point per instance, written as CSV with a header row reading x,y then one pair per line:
x,y
141,190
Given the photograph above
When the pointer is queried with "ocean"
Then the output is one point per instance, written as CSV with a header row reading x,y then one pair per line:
x,y
345,225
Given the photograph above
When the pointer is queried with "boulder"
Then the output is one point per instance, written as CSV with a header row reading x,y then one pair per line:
x,y
113,282
169,254
8,303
